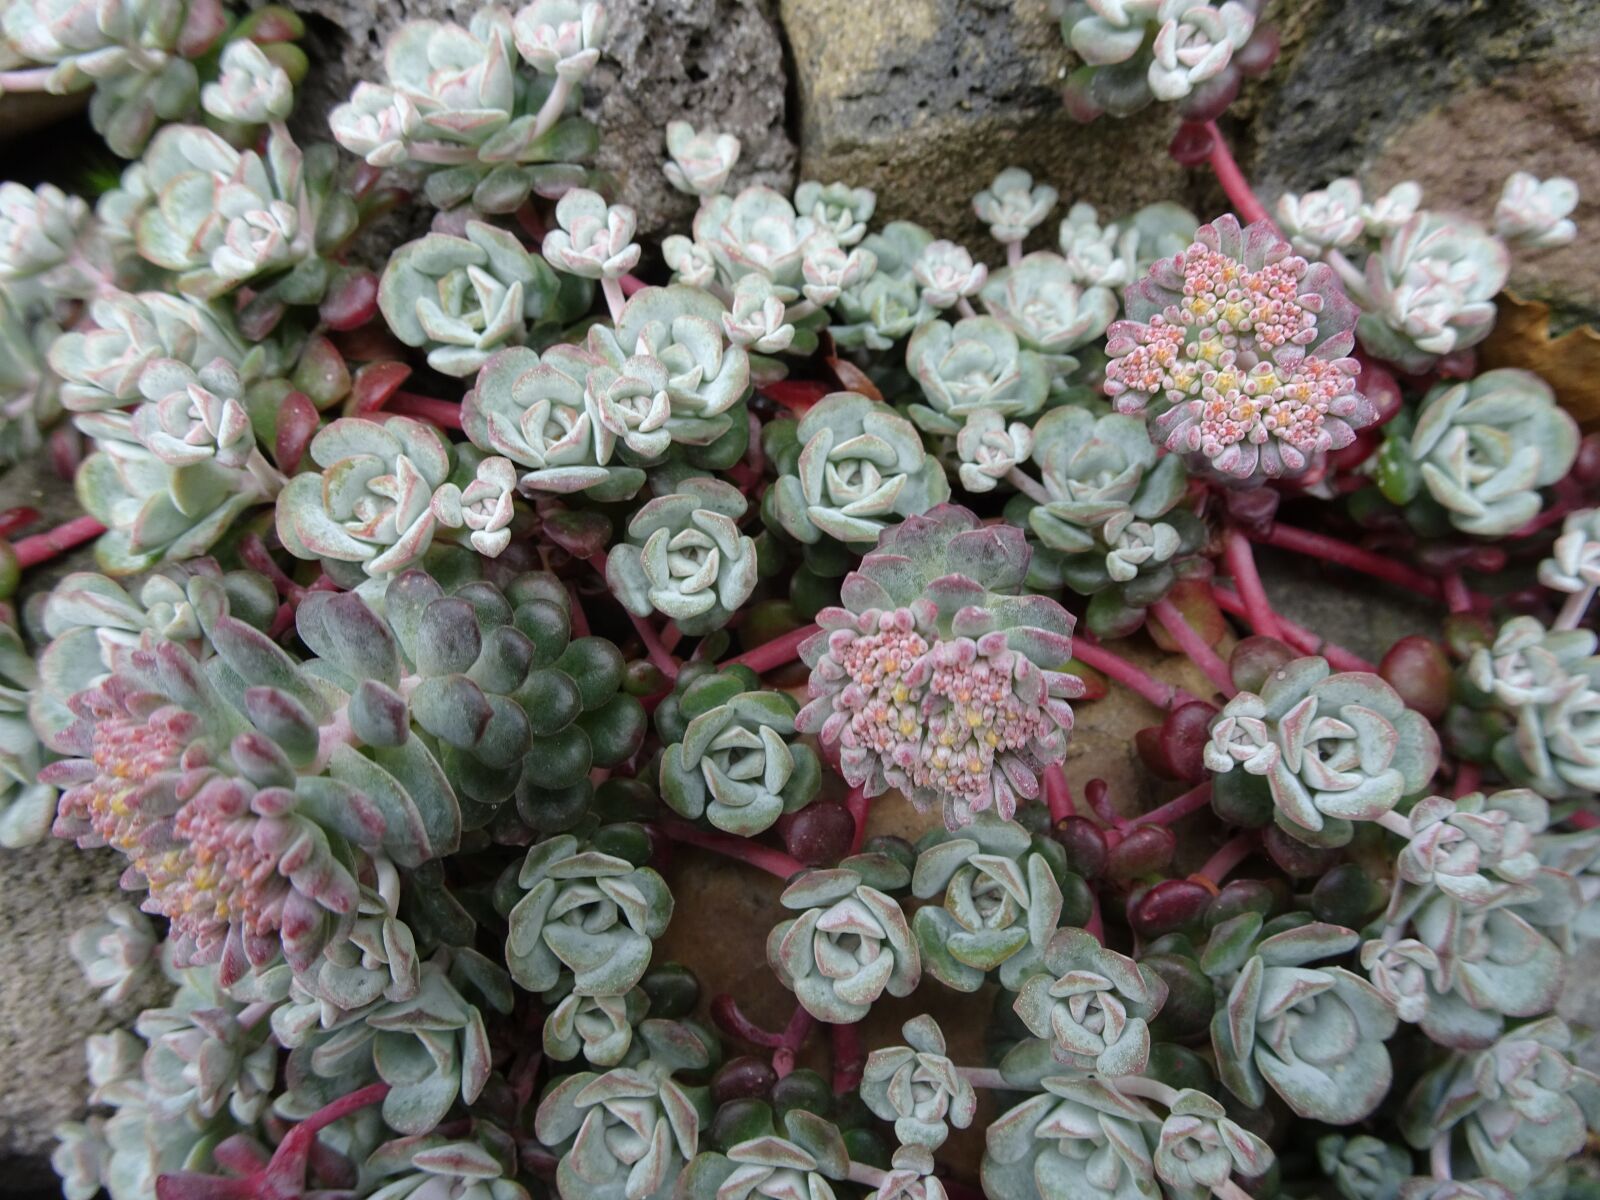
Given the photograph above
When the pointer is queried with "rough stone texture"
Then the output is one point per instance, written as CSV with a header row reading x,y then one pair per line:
x,y
715,62
926,100
46,1008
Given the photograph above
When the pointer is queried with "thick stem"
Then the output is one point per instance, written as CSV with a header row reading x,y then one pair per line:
x,y
1230,855
30,79
985,1077
1191,801
774,862
1095,927
1234,184
1028,486
612,290
42,547
1057,793
1146,1089
1456,594
728,1016
1573,609
1112,666
442,413
1317,545
849,1058
1397,824
1298,636
552,108
774,654
1200,651
1439,1157
856,804
1241,562
795,1034
1013,253
1467,778
868,1176
964,307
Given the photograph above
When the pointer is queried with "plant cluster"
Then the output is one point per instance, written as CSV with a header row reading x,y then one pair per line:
x,y
394,706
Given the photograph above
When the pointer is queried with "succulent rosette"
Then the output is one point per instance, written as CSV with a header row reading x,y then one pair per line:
x,y
1013,205
989,449
1039,301
1001,900
1363,1166
917,1087
202,1059
1429,290
1314,1035
837,208
933,682
1336,748
699,161
372,501
1536,213
851,942
739,763
1078,1137
975,365
432,1166
1486,446
117,954
1093,1005
1574,563
758,232
1240,350
593,239
592,913
884,301
1329,219
685,556
848,470
1200,1149
27,806
463,298
770,1167
1136,51
30,392
533,409
600,1028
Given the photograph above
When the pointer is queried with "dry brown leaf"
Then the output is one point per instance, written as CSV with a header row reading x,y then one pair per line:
x,y
1569,363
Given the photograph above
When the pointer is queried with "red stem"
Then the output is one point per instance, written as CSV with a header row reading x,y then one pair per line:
x,y
1057,793
580,619
440,412
729,1018
849,1058
1163,695
42,547
1241,563
658,654
1298,636
1317,545
774,654
1456,594
774,862
1098,794
1191,801
1467,778
14,520
632,284
1232,853
1234,184
856,804
794,1036
1096,927
1585,820
1199,650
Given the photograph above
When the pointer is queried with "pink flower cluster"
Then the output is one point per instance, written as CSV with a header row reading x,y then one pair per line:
x,y
962,722
1244,352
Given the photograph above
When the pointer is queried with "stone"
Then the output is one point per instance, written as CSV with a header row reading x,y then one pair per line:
x,y
713,62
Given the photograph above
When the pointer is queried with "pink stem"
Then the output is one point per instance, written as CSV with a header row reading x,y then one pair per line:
x,y
15,519
1585,820
1467,778
774,862
773,654
1232,853
1317,545
728,1016
658,654
671,636
856,804
1234,184
440,412
42,547
1096,926
794,1037
849,1058
1199,650
631,284
1298,636
1057,793
1456,594
1241,564
1098,794
1191,801
1112,666
580,619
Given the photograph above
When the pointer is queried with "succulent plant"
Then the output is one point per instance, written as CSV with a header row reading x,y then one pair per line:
x,y
27,805
1387,213
631,1131
1574,562
457,105
758,232
837,208
917,1087
990,450
484,508
372,501
1093,1005
41,234
1013,205
897,675
758,320
1037,299
975,365
1429,290
1486,446
946,273
593,239
1401,971
772,1167
739,763
1527,664
1001,901
465,297
852,468
1536,213
1315,1035
1329,219
851,942
432,1167
116,954
1363,1167
1077,1137
136,55
1098,256
30,392
203,1058
532,409
685,557
1199,1149
1136,51
588,911
880,299
1336,748
1520,1103
699,162
600,1028
251,89
1272,404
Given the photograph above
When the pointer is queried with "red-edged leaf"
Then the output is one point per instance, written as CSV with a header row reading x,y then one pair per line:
x,y
297,425
853,379
375,383
352,300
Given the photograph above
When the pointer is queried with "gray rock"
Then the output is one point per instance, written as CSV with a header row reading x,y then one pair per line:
x,y
712,62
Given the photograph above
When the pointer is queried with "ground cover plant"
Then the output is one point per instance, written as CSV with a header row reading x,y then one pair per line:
x,y
441,597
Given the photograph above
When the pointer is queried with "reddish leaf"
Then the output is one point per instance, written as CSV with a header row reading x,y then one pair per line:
x,y
797,395
351,300
297,425
853,379
1191,146
375,383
